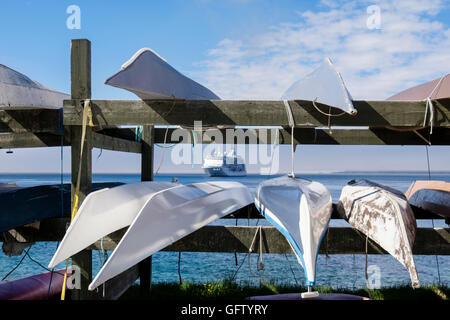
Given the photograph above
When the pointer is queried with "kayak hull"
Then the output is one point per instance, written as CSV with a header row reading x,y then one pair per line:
x,y
149,76
430,195
103,212
35,287
17,90
300,209
384,215
169,216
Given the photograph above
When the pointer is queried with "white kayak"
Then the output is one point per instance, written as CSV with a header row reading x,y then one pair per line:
x,y
169,216
300,209
324,85
149,76
384,215
103,212
17,90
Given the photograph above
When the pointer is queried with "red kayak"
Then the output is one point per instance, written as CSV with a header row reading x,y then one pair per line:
x,y
32,288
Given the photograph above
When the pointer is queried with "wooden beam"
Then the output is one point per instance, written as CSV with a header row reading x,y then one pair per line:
x,y
81,89
148,138
21,120
31,140
252,113
103,141
124,139
338,240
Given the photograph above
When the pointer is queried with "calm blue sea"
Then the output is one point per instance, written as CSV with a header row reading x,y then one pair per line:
x,y
335,270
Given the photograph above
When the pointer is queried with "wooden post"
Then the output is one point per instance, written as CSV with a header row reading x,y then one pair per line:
x,y
148,137
81,89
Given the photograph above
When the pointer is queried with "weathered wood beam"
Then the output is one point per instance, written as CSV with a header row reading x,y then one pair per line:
x,y
103,141
147,157
81,89
124,139
252,113
29,120
31,140
370,136
338,240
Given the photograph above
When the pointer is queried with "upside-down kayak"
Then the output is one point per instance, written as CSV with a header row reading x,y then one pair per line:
x,y
103,212
170,215
17,90
36,287
430,195
300,209
149,76
382,214
324,85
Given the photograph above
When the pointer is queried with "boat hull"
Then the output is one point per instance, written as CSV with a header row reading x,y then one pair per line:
x,y
169,216
149,76
25,205
226,172
17,90
384,215
35,287
324,85
103,212
432,196
300,209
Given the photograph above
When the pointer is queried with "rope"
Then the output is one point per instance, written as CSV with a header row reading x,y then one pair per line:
x,y
292,270
437,259
324,113
179,268
87,120
429,105
260,262
292,125
432,220
17,265
428,163
237,270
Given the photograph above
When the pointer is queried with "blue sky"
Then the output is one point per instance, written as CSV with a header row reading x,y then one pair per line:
x,y
240,49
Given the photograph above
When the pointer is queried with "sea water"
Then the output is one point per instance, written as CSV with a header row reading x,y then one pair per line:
x,y
338,271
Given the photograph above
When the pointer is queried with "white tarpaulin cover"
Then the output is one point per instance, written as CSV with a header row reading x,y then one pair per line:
x,y
324,85
149,76
17,89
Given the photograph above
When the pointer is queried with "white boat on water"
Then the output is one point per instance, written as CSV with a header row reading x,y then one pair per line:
x,y
170,215
17,90
150,76
224,165
384,215
324,85
300,209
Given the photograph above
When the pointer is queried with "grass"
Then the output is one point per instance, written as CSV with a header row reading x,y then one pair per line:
x,y
228,290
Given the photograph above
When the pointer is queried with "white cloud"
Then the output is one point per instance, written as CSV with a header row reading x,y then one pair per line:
x,y
411,47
